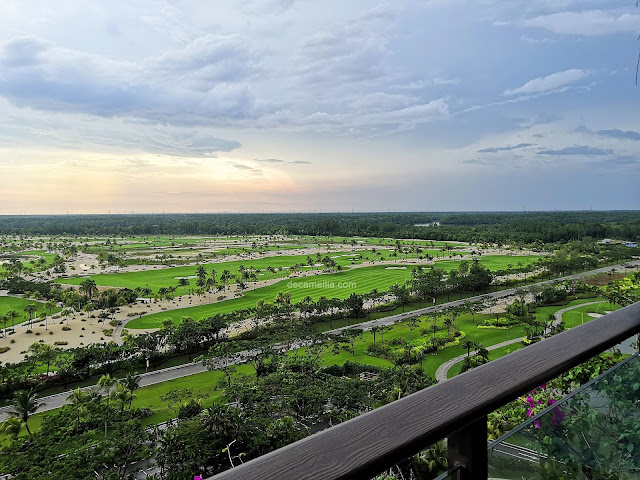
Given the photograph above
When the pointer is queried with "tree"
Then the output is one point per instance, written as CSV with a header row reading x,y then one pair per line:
x,y
131,383
105,384
222,356
183,282
24,404
12,314
412,324
401,292
11,426
79,400
468,345
448,323
45,353
89,287
374,330
384,329
122,395
31,308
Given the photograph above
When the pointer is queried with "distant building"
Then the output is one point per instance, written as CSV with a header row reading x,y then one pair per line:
x,y
631,244
606,241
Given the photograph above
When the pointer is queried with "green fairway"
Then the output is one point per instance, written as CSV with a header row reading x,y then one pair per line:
x,y
166,277
205,385
330,285
18,304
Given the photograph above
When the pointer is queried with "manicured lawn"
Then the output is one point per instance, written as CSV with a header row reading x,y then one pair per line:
x,y
166,277
18,304
493,354
331,285
205,385
360,280
580,315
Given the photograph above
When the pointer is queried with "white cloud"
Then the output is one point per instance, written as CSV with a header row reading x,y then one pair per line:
x,y
549,83
586,23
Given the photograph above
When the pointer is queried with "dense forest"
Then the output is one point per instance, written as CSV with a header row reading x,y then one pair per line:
x,y
495,227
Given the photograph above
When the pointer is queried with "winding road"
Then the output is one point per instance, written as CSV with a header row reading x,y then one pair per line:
x,y
52,402
443,370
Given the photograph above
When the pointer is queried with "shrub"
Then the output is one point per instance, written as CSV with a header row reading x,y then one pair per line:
x,y
108,332
60,342
66,329
13,341
190,410
29,331
50,333
4,349
37,333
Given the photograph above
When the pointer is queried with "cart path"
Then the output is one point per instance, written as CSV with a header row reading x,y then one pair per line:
x,y
443,370
58,400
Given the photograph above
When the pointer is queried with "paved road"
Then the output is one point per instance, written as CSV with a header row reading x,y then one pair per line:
x,y
52,402
443,370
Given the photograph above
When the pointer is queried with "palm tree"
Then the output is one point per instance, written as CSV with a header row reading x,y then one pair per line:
x,y
374,331
105,384
31,308
468,345
448,323
45,353
11,426
24,404
132,383
183,282
78,400
12,314
412,324
88,286
4,319
122,395
384,329
50,305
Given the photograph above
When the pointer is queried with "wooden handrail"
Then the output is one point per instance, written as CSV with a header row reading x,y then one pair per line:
x,y
364,446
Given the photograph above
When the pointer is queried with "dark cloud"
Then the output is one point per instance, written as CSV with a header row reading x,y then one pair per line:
x,y
242,167
612,133
300,162
504,149
579,150
204,82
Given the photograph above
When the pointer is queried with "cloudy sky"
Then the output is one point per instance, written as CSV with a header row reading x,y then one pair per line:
x,y
306,105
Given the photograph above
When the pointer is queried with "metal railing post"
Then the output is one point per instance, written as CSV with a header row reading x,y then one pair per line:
x,y
467,451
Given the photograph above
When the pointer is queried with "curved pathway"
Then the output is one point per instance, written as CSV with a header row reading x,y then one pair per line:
x,y
443,370
52,402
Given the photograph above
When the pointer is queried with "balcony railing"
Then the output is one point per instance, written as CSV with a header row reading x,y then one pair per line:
x,y
455,409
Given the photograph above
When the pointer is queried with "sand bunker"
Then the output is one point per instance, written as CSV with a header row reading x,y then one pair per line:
x,y
395,268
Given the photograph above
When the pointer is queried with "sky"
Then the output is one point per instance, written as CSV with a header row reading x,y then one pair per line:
x,y
318,106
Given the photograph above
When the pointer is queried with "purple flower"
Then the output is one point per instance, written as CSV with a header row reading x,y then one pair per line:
x,y
530,413
552,401
557,416
537,423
